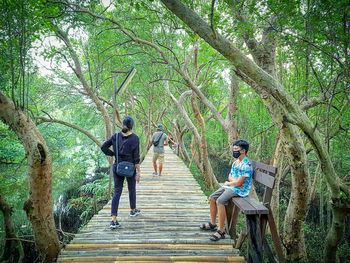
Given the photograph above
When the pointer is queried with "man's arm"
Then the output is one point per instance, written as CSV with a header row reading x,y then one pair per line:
x,y
235,181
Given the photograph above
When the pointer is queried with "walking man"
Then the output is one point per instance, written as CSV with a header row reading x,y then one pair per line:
x,y
159,139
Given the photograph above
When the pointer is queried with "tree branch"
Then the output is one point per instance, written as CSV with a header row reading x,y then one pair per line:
x,y
73,126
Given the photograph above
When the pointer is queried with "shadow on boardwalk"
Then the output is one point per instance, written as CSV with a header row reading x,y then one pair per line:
x,y
172,206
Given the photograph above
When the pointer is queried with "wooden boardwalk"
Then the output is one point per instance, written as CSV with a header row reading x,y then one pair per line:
x,y
173,206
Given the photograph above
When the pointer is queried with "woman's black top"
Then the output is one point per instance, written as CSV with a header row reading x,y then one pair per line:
x,y
129,147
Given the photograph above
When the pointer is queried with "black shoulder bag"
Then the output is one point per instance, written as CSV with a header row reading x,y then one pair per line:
x,y
123,168
155,143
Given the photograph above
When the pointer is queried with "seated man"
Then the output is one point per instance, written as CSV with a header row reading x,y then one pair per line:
x,y
238,184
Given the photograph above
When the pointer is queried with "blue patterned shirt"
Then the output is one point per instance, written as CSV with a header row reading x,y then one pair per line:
x,y
243,168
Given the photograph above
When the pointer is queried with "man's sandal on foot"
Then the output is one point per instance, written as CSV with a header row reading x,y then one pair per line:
x,y
208,226
217,235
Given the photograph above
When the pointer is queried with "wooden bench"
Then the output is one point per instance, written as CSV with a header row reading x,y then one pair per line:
x,y
258,215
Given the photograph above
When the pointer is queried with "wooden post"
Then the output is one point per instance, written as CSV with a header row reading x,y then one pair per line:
x,y
232,217
268,252
255,253
275,237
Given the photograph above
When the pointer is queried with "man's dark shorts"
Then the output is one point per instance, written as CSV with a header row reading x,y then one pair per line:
x,y
223,195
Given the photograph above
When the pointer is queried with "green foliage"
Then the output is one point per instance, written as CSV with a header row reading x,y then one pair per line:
x,y
11,151
91,198
96,188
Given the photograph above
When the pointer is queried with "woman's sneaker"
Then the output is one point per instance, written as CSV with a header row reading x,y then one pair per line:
x,y
114,225
135,212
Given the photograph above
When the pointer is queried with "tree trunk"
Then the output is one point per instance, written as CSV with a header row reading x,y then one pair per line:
x,y
298,202
13,250
277,161
178,136
207,170
294,240
321,214
195,153
231,124
198,139
39,206
296,155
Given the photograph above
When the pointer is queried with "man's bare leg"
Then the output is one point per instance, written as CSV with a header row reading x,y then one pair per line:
x,y
213,211
155,166
221,217
160,168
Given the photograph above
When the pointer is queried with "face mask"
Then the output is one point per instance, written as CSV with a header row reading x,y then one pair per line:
x,y
236,154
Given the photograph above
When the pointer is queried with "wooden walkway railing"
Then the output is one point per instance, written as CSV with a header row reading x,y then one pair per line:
x,y
172,206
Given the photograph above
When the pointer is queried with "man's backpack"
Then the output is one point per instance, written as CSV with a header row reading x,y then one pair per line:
x,y
155,143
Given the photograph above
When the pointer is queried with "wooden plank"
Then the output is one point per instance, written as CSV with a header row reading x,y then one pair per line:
x,y
264,179
153,241
265,167
145,252
242,204
249,206
215,258
212,246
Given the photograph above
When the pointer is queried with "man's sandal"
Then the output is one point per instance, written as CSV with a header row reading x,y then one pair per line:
x,y
208,226
217,235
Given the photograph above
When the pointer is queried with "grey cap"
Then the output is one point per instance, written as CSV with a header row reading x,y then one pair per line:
x,y
159,127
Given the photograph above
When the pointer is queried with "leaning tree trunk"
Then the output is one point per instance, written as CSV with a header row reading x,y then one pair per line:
x,y
292,113
207,170
229,124
209,178
295,152
39,206
13,249
277,161
294,240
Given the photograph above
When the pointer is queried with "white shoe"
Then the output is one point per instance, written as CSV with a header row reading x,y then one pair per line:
x,y
155,174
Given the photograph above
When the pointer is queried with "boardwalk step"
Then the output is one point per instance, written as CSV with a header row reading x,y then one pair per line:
x,y
150,259
211,246
146,252
151,241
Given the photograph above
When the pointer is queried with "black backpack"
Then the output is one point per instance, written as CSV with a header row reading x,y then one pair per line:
x,y
155,143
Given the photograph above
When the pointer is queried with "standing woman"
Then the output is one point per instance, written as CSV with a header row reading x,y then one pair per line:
x,y
128,145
